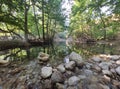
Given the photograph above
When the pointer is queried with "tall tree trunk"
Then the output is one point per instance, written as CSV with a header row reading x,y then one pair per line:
x,y
36,19
26,20
43,20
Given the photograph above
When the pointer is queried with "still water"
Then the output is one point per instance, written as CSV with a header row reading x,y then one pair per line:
x,y
59,51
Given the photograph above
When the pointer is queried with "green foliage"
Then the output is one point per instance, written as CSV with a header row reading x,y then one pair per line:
x,y
88,16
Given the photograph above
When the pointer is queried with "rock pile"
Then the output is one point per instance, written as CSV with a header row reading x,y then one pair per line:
x,y
99,72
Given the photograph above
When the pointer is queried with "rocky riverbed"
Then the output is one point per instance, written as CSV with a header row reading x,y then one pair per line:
x,y
98,72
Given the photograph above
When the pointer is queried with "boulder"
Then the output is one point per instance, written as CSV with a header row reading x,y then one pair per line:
x,y
76,57
114,57
57,77
96,59
118,70
61,68
4,61
43,56
59,86
88,72
73,80
46,72
70,65
106,72
105,65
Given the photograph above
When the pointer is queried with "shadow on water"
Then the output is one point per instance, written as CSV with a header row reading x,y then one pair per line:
x,y
58,51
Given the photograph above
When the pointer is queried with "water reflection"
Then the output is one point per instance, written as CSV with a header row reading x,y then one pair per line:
x,y
58,51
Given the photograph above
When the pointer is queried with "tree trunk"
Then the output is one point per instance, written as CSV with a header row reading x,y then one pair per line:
x,y
43,20
36,20
25,22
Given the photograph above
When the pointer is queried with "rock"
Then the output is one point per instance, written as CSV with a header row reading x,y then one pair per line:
x,y
57,77
46,72
76,57
97,68
106,72
4,61
59,86
113,70
72,87
61,68
105,65
104,86
96,59
73,80
88,72
82,77
70,65
114,57
118,62
88,65
47,84
118,70
43,56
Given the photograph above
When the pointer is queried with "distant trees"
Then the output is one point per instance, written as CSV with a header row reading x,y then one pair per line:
x,y
96,18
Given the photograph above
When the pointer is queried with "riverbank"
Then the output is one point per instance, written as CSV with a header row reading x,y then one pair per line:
x,y
98,72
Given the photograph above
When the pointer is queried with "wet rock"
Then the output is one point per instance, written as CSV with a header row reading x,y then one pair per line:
x,y
70,65
59,86
88,72
105,65
43,56
96,59
57,77
46,72
61,68
76,57
73,80
118,70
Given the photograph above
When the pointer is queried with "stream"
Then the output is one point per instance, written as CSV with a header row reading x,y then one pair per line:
x,y
24,67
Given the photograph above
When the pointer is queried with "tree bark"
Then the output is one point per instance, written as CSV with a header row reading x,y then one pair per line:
x,y
43,20
26,20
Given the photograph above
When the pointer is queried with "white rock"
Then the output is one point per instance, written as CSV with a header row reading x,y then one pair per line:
x,y
61,68
118,70
76,57
73,80
118,62
46,72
